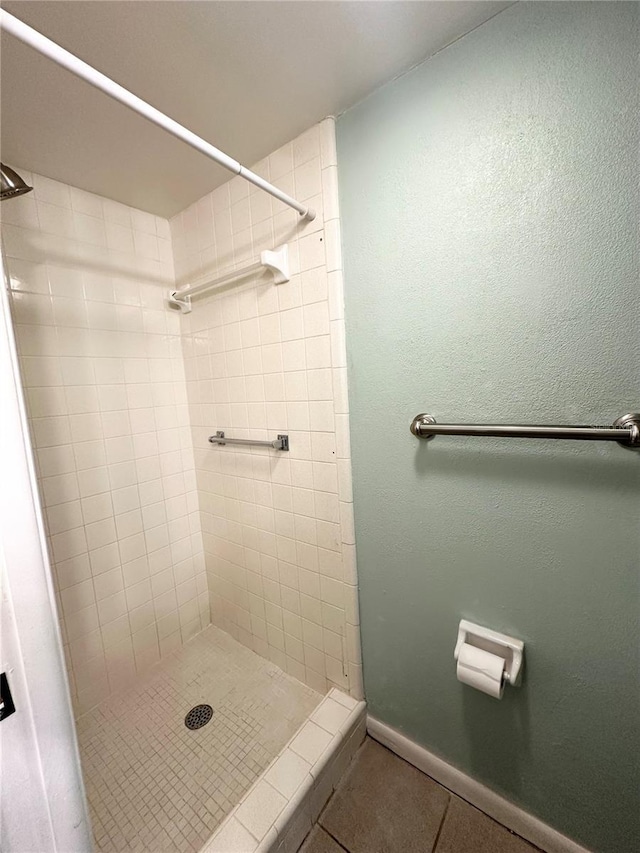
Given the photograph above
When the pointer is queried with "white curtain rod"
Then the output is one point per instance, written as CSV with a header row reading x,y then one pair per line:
x,y
81,69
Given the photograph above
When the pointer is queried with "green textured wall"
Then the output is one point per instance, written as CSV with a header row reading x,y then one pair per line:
x,y
490,213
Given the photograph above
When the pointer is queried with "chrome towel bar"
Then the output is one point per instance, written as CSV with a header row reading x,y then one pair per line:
x,y
624,430
280,443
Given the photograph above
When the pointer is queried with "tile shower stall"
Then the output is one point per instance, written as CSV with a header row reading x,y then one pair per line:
x,y
187,573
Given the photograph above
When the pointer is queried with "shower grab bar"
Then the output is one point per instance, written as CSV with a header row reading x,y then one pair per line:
x,y
86,72
625,430
276,262
279,443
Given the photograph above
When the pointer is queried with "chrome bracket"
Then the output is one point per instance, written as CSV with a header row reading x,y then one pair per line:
x,y
284,442
418,422
630,422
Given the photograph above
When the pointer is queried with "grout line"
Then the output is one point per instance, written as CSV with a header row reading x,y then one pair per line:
x,y
334,795
444,817
324,829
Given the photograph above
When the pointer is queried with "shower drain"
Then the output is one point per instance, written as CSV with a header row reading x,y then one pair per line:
x,y
198,716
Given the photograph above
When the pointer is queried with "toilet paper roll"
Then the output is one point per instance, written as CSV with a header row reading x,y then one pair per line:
x,y
481,670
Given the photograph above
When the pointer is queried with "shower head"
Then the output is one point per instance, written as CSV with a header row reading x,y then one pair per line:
x,y
11,184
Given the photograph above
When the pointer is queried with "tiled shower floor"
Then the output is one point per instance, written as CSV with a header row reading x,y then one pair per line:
x,y
154,785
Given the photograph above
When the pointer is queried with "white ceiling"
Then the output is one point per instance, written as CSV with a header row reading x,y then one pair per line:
x,y
246,76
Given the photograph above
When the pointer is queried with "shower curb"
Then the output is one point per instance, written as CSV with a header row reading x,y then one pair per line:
x,y
280,808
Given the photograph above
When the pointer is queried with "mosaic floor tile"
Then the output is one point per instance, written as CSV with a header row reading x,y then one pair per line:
x,y
155,785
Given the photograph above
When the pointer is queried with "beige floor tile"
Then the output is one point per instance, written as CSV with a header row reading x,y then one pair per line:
x,y
384,805
467,830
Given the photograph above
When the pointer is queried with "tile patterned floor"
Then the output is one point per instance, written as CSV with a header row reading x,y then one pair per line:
x,y
384,805
153,785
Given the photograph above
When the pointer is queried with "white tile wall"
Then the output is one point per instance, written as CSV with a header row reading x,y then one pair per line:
x,y
104,361
104,378
263,359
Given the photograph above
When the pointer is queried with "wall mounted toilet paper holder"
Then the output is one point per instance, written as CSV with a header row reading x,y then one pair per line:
x,y
495,643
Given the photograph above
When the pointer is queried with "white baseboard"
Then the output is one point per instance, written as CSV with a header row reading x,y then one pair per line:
x,y
501,810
